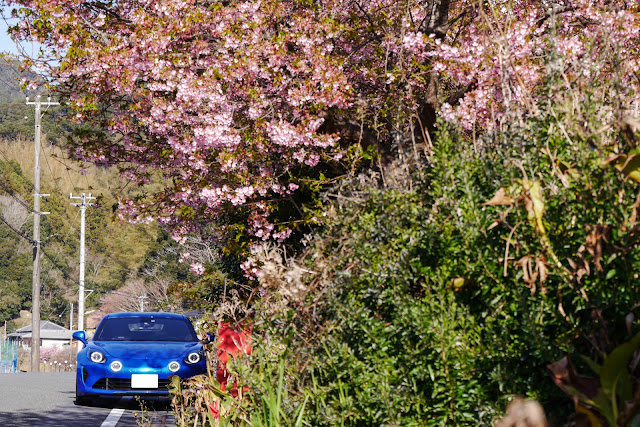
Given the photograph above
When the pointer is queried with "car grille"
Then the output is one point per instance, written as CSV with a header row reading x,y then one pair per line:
x,y
125,384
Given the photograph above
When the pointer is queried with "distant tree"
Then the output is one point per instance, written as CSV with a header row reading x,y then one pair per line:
x,y
153,294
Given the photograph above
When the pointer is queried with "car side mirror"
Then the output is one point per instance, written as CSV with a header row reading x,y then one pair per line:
x,y
80,336
209,338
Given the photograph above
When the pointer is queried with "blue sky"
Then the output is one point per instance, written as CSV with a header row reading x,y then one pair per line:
x,y
6,44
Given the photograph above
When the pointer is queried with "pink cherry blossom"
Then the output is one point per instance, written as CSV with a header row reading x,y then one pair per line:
x,y
223,108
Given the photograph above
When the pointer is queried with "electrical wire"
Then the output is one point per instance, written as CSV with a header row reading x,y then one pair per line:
x,y
69,168
16,230
64,240
17,169
116,264
55,181
11,192
30,240
112,259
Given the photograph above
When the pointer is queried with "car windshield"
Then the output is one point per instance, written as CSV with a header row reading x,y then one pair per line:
x,y
145,329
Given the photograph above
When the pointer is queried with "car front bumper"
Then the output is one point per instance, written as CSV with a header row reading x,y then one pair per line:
x,y
96,379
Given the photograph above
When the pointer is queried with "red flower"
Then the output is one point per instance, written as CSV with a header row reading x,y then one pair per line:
x,y
214,411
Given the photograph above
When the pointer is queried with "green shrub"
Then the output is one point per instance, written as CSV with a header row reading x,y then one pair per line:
x,y
431,305
436,296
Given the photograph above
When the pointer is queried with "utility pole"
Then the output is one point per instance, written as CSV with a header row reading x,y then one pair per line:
x,y
142,298
71,327
84,202
35,286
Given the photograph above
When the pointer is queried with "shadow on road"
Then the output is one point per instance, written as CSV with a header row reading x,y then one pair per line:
x,y
61,417
155,410
131,403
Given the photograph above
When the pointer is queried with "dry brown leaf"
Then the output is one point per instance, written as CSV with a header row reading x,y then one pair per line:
x,y
529,274
523,413
500,199
543,271
596,241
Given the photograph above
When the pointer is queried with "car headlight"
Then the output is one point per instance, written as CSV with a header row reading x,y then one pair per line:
x,y
193,357
116,366
97,357
174,366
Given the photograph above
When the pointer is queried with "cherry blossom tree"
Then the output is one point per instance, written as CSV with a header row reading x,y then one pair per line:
x,y
230,111
226,104
128,297
502,57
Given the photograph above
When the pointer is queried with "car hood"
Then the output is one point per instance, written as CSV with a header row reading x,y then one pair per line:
x,y
145,350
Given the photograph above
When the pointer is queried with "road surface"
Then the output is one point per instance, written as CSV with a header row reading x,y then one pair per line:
x,y
48,399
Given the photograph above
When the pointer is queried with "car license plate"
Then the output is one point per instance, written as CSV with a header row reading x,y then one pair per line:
x,y
144,381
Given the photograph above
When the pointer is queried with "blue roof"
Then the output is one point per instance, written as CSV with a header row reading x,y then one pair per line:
x,y
145,314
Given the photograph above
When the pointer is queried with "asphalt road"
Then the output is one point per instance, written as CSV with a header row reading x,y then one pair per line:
x,y
48,399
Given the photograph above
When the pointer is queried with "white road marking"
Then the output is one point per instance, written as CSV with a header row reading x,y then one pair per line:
x,y
113,418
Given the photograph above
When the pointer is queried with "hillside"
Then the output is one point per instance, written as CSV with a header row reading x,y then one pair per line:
x,y
16,117
10,77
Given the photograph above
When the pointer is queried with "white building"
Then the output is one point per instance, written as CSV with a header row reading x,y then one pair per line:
x,y
51,335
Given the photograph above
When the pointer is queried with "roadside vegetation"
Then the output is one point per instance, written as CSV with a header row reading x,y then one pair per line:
x,y
504,263
436,299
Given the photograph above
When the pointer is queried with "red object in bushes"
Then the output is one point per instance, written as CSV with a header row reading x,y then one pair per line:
x,y
213,409
234,342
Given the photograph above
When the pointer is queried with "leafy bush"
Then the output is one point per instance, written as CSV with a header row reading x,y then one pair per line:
x,y
436,293
430,304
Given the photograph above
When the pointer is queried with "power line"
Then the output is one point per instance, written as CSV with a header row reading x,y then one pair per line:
x,y
17,169
69,168
44,252
55,182
11,192
64,239
53,261
19,172
17,231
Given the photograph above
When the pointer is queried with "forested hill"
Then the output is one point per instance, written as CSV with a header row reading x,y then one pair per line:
x,y
16,117
10,76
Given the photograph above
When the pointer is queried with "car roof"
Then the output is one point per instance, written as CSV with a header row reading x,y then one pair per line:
x,y
145,314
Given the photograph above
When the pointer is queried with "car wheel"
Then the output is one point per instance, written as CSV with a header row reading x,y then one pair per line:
x,y
82,400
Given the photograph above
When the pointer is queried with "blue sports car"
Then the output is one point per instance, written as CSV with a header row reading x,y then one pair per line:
x,y
136,354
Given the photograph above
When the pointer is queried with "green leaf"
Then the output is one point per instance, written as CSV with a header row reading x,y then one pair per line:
x,y
431,374
593,365
614,376
300,412
603,404
593,418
